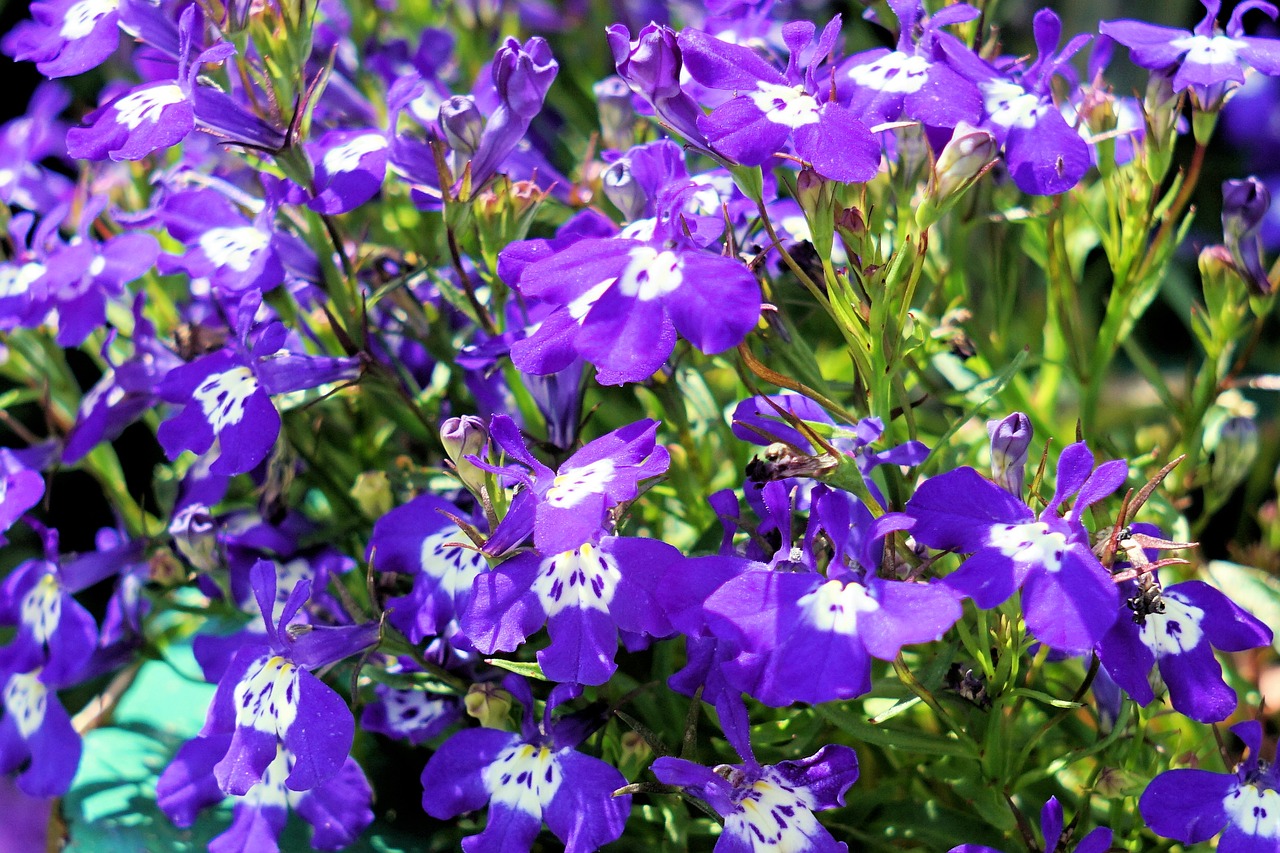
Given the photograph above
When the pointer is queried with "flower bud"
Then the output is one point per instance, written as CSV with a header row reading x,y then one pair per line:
x,y
489,704
651,67
621,188
1244,206
461,124
969,154
463,437
1234,452
1010,439
195,533
617,116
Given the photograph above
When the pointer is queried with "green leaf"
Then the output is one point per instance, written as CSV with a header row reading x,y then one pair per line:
x,y
528,670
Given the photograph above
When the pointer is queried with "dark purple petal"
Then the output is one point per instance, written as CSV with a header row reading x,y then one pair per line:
x,y
955,510
826,775
187,785
720,65
1195,685
839,146
339,809
988,577
739,130
1127,659
628,339
452,781
1227,625
583,643
503,609
1048,157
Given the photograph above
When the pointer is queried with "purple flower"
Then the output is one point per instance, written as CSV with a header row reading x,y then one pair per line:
x,y
36,730
620,301
20,489
1068,598
1045,154
569,506
1194,805
226,395
338,809
522,74
768,806
770,107
268,700
1177,628
234,254
419,539
66,37
350,166
527,779
1097,841
584,595
809,637
1209,62
885,85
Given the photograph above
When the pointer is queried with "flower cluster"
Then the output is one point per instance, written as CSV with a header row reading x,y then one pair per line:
x,y
450,381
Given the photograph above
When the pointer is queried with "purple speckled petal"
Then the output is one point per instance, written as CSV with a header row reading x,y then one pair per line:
x,y
1227,625
583,643
452,781
740,131
839,146
628,339
503,609
507,830
826,775
320,737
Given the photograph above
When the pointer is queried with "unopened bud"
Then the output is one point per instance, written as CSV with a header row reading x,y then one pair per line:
x,y
617,115
463,437
1010,440
195,534
462,124
1235,451
809,186
969,154
1244,206
621,188
489,704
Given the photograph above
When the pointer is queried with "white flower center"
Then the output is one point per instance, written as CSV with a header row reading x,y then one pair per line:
x,y
834,607
523,777
271,791
147,105
25,700
774,816
346,157
222,396
1009,105
782,104
233,247
1174,632
1208,50
894,73
455,567
80,19
1255,811
574,485
1030,544
585,578
267,697
42,608
650,274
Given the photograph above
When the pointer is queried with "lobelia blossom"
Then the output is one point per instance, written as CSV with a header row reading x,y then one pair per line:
x,y
1177,628
152,116
769,806
569,506
20,489
1010,439
584,595
1192,805
36,731
232,253
1097,841
527,779
770,107
421,540
1068,599
1044,153
66,37
25,143
349,168
1208,61
268,700
338,809
618,302
522,74
226,395
809,637
913,80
